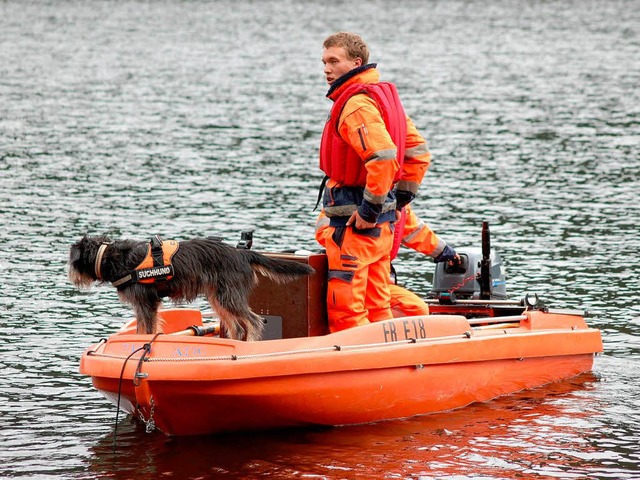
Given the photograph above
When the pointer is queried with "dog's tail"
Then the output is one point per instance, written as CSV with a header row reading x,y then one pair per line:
x,y
279,270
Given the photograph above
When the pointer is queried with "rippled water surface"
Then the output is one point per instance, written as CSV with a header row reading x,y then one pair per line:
x,y
191,118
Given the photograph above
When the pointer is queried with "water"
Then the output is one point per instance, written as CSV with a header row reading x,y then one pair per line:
x,y
194,118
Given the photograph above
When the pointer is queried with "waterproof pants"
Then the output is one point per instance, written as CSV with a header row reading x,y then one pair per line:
x,y
405,303
359,273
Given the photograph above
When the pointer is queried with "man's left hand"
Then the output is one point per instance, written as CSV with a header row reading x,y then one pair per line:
x,y
448,255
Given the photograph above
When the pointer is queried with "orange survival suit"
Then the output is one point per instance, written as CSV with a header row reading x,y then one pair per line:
x,y
416,235
359,155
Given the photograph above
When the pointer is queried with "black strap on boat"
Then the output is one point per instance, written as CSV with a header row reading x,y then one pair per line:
x,y
115,429
320,192
147,348
202,330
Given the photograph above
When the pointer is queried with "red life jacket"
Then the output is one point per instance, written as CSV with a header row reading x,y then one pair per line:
x,y
338,160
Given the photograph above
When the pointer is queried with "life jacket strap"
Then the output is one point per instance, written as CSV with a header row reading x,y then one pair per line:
x,y
156,251
156,266
321,191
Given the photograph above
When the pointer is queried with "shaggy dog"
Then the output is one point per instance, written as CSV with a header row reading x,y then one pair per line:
x,y
223,274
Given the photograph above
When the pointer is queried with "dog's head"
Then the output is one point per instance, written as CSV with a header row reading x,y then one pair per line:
x,y
82,260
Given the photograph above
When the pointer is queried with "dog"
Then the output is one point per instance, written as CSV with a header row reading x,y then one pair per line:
x,y
182,271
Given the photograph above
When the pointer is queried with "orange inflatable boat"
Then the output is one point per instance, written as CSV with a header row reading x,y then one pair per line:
x,y
189,381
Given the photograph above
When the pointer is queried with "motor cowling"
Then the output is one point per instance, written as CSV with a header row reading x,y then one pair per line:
x,y
464,280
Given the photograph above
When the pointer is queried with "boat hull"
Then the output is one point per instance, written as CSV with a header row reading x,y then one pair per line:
x,y
340,399
394,369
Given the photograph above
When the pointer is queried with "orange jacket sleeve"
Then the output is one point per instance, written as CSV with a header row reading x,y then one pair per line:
x,y
418,236
417,159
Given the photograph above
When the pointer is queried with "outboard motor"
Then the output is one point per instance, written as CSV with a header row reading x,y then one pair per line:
x,y
479,275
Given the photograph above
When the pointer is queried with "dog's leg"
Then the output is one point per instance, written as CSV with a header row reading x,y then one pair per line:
x,y
254,326
236,317
247,326
240,324
147,320
229,322
145,304
232,326
250,331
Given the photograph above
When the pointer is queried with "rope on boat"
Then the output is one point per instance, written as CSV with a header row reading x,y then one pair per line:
x,y
147,348
98,345
335,348
463,283
115,427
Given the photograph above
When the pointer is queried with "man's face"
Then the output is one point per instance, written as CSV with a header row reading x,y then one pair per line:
x,y
337,63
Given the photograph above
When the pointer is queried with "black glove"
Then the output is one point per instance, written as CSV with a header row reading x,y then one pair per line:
x,y
447,254
369,212
403,198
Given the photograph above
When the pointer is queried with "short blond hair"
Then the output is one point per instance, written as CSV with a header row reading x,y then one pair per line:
x,y
352,43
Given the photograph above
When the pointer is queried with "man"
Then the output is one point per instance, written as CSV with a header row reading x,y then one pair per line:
x,y
374,160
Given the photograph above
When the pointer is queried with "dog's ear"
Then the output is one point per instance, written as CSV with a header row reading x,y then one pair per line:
x,y
78,248
74,253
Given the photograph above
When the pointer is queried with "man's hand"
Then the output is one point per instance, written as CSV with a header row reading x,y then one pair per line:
x,y
448,255
455,261
356,220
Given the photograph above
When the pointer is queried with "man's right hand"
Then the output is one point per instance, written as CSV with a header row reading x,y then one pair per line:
x,y
356,220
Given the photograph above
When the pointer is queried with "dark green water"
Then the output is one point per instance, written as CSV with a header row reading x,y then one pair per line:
x,y
194,118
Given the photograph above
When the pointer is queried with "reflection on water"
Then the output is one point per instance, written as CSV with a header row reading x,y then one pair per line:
x,y
540,430
197,118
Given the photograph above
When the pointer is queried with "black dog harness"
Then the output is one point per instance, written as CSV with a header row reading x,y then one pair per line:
x,y
156,266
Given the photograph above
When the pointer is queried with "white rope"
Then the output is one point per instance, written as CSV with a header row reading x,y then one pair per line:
x,y
335,348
